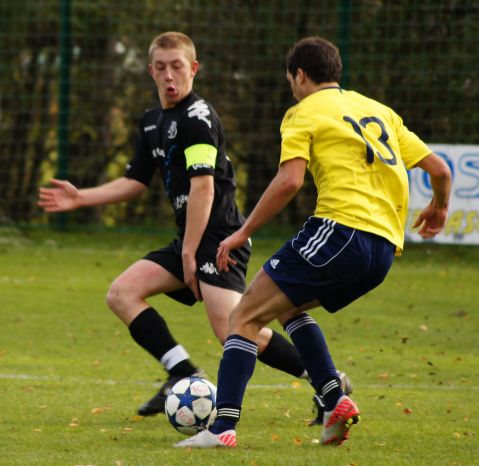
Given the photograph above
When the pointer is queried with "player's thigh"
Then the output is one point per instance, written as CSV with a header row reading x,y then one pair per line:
x,y
261,303
219,303
146,278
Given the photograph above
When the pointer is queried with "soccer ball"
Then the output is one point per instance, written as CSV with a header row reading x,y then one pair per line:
x,y
191,405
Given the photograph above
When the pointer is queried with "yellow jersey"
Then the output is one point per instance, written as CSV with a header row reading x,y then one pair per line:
x,y
357,151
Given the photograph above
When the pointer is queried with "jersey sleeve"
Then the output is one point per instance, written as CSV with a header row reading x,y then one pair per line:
x,y
412,148
296,136
202,139
142,166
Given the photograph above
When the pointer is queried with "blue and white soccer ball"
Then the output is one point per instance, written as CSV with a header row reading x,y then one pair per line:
x,y
191,405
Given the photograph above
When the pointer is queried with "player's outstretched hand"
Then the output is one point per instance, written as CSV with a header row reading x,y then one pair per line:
x,y
60,198
234,241
431,221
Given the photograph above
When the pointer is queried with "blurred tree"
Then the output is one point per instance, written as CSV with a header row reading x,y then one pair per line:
x,y
421,58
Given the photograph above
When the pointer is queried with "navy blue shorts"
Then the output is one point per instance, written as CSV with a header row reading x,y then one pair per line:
x,y
330,263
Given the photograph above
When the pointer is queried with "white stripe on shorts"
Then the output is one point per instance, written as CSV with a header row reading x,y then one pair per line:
x,y
319,239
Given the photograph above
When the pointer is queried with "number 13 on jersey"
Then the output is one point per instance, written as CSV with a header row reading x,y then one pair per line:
x,y
383,138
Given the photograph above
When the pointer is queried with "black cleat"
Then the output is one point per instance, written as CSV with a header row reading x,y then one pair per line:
x,y
318,406
157,404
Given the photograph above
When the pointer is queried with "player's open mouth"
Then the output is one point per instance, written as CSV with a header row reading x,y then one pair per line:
x,y
171,90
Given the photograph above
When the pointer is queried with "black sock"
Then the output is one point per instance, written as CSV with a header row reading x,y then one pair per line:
x,y
283,355
150,331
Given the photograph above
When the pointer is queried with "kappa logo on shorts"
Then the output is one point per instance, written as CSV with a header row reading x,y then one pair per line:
x,y
209,268
274,263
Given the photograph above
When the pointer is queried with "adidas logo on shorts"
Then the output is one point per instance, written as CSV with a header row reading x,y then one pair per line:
x,y
274,263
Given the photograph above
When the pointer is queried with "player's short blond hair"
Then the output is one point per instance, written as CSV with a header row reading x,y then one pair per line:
x,y
173,40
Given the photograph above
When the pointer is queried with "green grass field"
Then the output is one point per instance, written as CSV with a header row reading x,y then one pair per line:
x,y
71,377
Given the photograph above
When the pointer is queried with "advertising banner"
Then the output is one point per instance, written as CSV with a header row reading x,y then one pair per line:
x,y
462,226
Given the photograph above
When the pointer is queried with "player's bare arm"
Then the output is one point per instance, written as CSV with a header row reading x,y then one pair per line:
x,y
282,189
433,218
200,202
64,196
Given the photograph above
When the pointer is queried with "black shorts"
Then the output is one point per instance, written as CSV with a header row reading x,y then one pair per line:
x,y
235,279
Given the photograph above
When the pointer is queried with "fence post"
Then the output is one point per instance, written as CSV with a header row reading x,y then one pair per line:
x,y
344,34
64,97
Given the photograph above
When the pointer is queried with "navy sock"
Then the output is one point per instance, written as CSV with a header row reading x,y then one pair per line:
x,y
311,344
236,368
150,331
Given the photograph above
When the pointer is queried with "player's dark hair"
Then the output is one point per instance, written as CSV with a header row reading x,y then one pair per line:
x,y
317,57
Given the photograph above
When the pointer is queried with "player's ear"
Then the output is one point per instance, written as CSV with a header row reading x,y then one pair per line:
x,y
195,66
300,75
150,69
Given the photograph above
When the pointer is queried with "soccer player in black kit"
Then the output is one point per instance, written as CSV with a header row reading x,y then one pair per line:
x,y
183,139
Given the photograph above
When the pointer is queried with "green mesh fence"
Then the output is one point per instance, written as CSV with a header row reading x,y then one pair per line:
x,y
73,82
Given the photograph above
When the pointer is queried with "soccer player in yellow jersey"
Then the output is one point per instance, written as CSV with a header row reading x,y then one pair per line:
x,y
357,151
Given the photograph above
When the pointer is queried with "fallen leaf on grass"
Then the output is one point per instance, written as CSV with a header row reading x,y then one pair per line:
x,y
297,441
383,376
100,410
407,411
424,328
274,438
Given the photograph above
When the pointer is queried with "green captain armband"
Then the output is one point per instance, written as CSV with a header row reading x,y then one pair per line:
x,y
201,154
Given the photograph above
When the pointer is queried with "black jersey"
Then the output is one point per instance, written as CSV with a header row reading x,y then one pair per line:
x,y
164,137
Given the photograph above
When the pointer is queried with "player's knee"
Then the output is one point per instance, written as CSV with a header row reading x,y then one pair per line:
x,y
115,297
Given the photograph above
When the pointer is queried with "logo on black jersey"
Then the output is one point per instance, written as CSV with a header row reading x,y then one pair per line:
x,y
200,110
157,152
172,130
180,201
149,128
